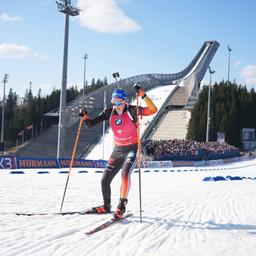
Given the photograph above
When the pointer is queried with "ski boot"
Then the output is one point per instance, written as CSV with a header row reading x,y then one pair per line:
x,y
103,209
120,208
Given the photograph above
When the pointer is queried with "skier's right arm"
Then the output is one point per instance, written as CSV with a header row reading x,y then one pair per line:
x,y
101,117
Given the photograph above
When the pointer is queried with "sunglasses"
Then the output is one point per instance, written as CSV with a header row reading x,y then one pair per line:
x,y
117,103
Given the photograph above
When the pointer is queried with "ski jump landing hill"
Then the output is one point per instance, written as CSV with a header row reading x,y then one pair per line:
x,y
186,84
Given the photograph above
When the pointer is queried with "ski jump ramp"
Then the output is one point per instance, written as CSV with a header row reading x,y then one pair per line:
x,y
195,70
190,77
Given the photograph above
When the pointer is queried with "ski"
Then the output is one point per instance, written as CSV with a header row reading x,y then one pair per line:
x,y
54,213
108,223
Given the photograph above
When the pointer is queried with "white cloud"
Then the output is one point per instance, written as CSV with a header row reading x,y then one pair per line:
x,y
248,73
238,63
18,51
6,17
105,16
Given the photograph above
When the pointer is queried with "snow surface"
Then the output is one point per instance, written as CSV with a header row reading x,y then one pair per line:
x,y
182,215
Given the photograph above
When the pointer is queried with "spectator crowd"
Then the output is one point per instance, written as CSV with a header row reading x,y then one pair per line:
x,y
188,150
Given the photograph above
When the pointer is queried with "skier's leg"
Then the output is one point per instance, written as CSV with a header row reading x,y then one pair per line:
x,y
112,168
127,169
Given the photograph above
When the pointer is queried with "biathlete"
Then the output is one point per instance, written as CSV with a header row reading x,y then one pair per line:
x,y
123,122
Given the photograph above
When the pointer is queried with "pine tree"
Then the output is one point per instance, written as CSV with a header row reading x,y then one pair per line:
x,y
233,108
197,123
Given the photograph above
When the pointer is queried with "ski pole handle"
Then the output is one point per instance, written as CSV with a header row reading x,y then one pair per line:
x,y
139,90
137,87
116,76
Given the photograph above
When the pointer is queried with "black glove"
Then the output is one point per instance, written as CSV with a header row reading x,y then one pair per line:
x,y
139,90
137,87
83,113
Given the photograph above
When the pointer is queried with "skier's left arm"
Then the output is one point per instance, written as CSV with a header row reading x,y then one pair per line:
x,y
151,108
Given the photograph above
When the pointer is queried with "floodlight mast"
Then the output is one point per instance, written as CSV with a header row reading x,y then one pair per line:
x,y
229,51
5,80
84,85
211,72
65,7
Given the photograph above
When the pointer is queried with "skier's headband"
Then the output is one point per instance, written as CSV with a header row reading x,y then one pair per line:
x,y
120,94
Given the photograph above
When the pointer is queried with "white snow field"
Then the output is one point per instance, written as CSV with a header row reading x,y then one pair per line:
x,y
182,215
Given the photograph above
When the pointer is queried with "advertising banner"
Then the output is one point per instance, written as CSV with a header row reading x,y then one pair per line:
x,y
30,163
182,163
157,164
8,163
248,134
65,163
215,162
100,163
221,137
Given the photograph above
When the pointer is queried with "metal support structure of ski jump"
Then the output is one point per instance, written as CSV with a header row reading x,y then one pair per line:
x,y
196,69
190,77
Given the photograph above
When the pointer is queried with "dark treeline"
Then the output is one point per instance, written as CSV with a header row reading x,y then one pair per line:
x,y
25,115
232,107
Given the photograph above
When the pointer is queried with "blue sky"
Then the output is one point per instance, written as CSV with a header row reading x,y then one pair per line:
x,y
129,36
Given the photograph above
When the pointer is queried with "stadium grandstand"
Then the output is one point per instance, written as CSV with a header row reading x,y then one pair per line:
x,y
170,122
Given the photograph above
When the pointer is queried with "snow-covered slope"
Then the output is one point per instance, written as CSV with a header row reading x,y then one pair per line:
x,y
182,215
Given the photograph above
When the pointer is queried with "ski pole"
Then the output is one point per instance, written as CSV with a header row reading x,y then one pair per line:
x,y
116,75
71,161
139,149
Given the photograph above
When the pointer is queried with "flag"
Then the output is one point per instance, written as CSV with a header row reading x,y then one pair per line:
x,y
30,127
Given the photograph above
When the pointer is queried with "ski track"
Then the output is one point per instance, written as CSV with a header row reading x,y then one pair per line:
x,y
182,215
